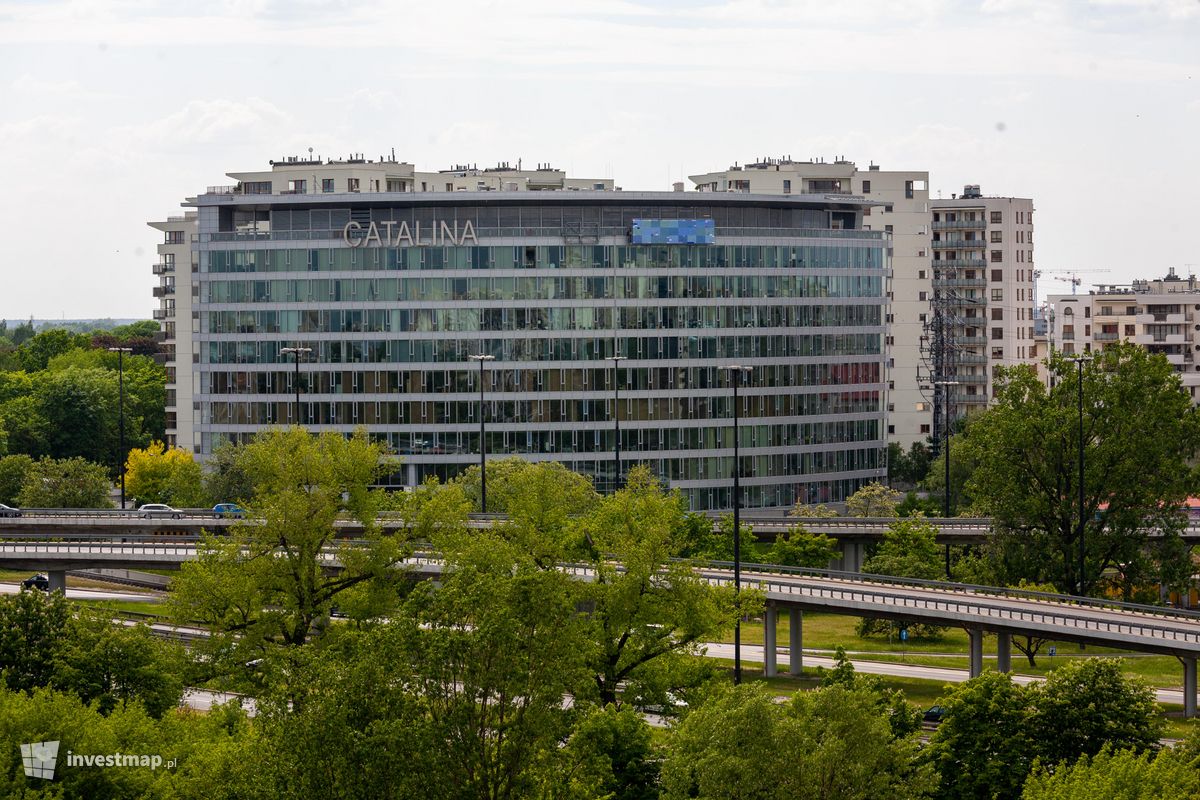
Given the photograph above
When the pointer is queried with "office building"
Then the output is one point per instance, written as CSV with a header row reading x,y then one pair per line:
x,y
899,210
395,277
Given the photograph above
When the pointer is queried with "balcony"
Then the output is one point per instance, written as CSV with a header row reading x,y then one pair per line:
x,y
968,358
966,301
959,283
960,225
978,380
977,263
1161,339
971,340
1103,336
162,269
958,244
162,313
164,291
1163,318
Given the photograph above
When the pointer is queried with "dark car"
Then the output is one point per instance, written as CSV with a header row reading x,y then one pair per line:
x,y
9,511
232,510
935,715
38,581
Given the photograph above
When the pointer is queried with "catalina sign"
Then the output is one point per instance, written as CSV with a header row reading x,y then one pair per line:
x,y
398,234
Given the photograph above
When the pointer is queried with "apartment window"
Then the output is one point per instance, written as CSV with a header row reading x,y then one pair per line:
x,y
174,237
997,256
924,427
787,186
1129,330
599,187
997,295
1130,310
887,209
352,184
298,186
922,296
998,334
922,407
997,217
923,317
997,352
891,429
256,187
1019,216
326,185
997,313
395,186
921,274
866,187
997,275
888,228
449,187
908,189
996,236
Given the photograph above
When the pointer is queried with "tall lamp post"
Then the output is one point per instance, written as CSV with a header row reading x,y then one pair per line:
x,y
121,351
946,452
296,353
482,358
1078,361
737,372
616,420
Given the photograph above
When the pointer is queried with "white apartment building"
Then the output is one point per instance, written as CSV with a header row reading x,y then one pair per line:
x,y
983,284
1162,315
905,217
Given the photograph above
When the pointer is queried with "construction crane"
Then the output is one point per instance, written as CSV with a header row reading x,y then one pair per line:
x,y
1070,276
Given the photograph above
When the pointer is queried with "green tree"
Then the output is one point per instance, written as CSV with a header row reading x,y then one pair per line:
x,y
648,612
800,548
818,511
1140,431
32,627
65,483
268,582
828,743
908,468
36,353
80,409
12,476
225,478
874,500
158,474
1112,773
1089,703
983,747
617,744
112,665
909,549
28,431
963,463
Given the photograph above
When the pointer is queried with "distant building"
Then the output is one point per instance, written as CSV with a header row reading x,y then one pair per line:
x,y
902,213
1162,315
394,277
983,273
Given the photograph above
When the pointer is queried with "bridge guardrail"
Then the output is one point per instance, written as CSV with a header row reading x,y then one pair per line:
x,y
999,591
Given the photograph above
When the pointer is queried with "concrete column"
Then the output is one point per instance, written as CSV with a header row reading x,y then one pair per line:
x,y
796,642
770,651
1003,652
975,635
1189,686
58,580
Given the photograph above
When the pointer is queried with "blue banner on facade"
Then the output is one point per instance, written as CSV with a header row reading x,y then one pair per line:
x,y
673,231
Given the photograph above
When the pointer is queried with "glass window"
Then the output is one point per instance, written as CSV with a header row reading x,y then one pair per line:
x,y
327,185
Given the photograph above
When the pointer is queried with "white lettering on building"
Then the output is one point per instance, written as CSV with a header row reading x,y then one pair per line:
x,y
391,234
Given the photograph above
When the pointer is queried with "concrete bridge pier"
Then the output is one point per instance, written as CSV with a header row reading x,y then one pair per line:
x,y
770,651
1003,652
795,642
58,580
975,643
1189,686
853,555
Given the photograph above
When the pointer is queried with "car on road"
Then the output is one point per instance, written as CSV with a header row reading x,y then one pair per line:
x,y
9,511
934,714
153,510
39,581
228,510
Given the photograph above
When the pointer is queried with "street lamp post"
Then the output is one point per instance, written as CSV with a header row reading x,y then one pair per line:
x,y
1078,361
737,372
482,358
121,351
296,353
616,419
946,454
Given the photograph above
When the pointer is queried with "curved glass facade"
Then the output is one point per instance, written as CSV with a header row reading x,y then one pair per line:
x,y
551,289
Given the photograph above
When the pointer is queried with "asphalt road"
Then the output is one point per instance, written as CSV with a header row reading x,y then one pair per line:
x,y
753,654
96,594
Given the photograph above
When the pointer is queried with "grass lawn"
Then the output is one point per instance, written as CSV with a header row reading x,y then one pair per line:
x,y
124,605
828,631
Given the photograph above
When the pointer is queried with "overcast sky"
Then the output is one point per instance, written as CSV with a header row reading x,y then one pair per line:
x,y
112,112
